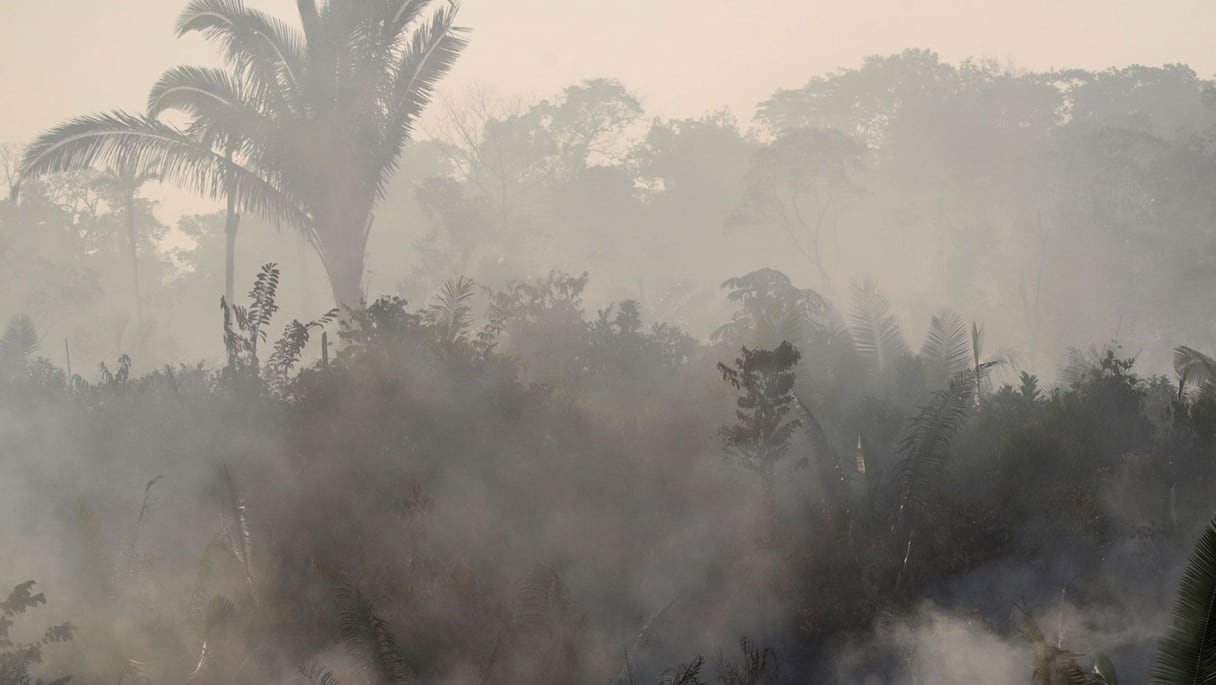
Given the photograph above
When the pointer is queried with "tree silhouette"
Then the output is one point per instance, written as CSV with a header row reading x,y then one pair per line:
x,y
316,119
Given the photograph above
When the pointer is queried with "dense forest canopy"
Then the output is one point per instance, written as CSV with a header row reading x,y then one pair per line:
x,y
908,379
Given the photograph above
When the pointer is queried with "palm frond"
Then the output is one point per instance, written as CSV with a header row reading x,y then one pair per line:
x,y
221,110
451,311
1105,669
1187,652
431,54
927,444
1194,368
312,673
367,636
119,138
240,540
946,351
1052,665
1076,364
545,605
220,614
876,333
19,343
253,42
832,470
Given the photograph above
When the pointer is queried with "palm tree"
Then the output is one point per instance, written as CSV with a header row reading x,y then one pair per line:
x,y
214,129
123,182
305,127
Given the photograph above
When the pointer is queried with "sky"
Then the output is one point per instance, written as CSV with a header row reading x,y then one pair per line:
x,y
60,58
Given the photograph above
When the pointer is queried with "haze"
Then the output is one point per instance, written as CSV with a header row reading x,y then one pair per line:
x,y
664,343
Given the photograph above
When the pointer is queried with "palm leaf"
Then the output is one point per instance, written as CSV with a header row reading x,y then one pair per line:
x,y
223,113
876,333
946,351
545,605
255,44
240,540
118,138
927,444
313,673
220,613
368,636
18,344
1187,653
451,311
431,54
1194,368
1052,665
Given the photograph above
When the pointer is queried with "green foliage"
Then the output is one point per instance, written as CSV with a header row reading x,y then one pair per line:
x,y
16,659
766,377
1187,653
771,309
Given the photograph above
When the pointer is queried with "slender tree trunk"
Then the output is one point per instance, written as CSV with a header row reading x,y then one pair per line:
x,y
231,224
131,239
771,518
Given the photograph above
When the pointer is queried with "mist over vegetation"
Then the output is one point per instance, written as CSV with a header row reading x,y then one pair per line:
x,y
904,380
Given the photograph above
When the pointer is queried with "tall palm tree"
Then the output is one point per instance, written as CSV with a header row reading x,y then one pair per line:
x,y
305,126
123,182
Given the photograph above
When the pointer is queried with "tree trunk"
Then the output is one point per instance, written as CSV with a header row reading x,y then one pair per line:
x,y
231,224
343,253
130,212
771,531
345,273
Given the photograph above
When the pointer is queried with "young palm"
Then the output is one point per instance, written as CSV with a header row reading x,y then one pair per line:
x,y
304,127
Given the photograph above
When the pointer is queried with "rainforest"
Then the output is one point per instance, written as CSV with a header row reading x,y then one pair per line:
x,y
321,364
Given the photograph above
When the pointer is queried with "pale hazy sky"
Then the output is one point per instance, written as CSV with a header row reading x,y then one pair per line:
x,y
59,58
